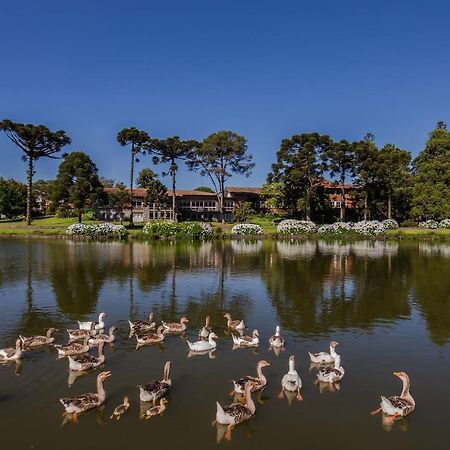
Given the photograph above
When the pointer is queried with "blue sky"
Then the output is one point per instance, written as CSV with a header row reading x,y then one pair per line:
x,y
264,69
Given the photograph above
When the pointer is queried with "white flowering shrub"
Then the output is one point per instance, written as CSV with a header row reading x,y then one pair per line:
x,y
444,223
431,224
246,229
336,228
103,230
369,227
390,224
169,228
293,226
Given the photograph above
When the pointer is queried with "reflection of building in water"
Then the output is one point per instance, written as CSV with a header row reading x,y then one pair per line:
x,y
334,248
246,247
294,249
434,249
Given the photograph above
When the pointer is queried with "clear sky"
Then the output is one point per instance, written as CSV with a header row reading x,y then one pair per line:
x,y
265,69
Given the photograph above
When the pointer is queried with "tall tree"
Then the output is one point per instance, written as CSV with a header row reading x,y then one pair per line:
x,y
120,199
431,181
221,155
136,139
13,198
77,184
170,151
366,153
156,191
340,162
35,141
393,172
299,168
272,195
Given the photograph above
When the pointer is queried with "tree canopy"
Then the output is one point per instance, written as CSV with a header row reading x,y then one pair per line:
x,y
35,141
13,198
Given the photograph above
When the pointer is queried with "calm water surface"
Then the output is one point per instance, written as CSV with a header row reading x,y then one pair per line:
x,y
388,305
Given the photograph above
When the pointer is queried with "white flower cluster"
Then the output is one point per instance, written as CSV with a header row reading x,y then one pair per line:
x,y
97,231
293,226
336,228
390,224
369,227
444,223
246,229
431,224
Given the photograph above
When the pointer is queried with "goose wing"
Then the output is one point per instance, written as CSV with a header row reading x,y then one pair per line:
x,y
238,411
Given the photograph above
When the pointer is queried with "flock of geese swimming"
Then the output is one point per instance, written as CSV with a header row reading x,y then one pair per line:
x,y
91,334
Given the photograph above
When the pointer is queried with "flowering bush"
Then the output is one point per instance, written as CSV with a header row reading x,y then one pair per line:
x,y
444,223
336,228
369,227
169,228
390,224
432,224
246,229
103,230
292,226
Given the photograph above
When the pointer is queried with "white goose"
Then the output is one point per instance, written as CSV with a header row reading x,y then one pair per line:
x,y
11,354
398,405
206,330
202,345
247,341
332,374
276,341
324,357
100,325
291,382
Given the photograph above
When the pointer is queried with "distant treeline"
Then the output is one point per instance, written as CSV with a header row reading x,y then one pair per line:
x,y
386,182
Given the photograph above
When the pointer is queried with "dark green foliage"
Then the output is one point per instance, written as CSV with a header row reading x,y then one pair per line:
x,y
120,200
221,155
242,212
156,191
77,185
35,141
13,198
204,189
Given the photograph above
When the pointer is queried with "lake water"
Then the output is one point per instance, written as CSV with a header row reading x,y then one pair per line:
x,y
386,303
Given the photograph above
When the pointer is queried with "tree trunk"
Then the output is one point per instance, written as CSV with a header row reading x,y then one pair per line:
x,y
79,216
365,204
342,212
174,193
131,183
308,205
29,188
222,200
389,204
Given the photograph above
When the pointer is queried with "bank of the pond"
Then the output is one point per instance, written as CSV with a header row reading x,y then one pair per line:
x,y
54,227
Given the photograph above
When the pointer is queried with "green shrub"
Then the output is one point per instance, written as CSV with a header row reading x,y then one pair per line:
x,y
169,229
408,223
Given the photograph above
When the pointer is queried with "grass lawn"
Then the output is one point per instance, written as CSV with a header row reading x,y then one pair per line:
x,y
266,224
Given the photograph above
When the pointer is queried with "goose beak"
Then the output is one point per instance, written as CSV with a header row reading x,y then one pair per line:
x,y
397,374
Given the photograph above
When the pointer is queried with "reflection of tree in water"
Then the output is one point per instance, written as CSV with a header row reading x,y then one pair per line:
x,y
336,289
77,274
431,277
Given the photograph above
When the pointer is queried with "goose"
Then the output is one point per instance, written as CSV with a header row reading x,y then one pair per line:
x,y
73,348
202,345
100,325
247,341
155,390
204,332
84,402
151,338
75,334
276,341
291,382
100,337
175,327
258,382
11,354
156,410
398,405
332,374
236,413
324,357
37,341
234,324
121,409
87,362
142,326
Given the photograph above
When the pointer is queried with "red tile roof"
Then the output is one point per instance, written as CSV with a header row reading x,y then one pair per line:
x,y
243,190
